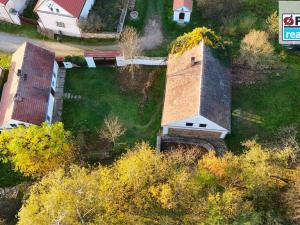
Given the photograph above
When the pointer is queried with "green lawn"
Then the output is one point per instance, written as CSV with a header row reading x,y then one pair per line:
x,y
267,106
101,95
31,32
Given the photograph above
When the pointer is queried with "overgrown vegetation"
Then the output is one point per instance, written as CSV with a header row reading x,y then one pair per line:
x,y
104,16
103,93
148,188
5,60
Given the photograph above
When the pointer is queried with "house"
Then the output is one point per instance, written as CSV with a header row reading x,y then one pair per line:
x,y
62,16
197,97
28,94
182,10
11,9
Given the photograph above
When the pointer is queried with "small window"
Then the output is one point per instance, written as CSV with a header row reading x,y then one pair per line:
x,y
57,10
52,92
202,125
60,24
13,125
189,124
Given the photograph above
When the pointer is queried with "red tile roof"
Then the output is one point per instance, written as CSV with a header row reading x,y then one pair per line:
x,y
30,101
102,54
74,7
180,3
4,1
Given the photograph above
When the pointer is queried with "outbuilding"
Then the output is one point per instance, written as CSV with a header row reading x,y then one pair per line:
x,y
197,100
182,10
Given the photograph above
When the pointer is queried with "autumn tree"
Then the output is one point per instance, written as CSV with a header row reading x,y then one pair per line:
x,y
190,40
256,52
35,151
143,187
272,23
130,47
113,129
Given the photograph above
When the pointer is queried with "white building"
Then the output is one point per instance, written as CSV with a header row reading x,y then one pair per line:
x,y
28,94
182,10
62,16
197,97
11,9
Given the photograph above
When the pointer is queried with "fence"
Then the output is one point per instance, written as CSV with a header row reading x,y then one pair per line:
x,y
149,61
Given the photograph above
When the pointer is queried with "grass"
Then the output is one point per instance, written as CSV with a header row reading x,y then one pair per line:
x,y
31,32
267,106
101,96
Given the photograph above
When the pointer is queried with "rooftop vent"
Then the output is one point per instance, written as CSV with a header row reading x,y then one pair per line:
x,y
193,61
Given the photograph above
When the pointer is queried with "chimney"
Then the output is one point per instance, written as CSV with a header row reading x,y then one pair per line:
x,y
193,61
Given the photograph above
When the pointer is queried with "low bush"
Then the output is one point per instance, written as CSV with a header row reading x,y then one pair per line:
x,y
78,60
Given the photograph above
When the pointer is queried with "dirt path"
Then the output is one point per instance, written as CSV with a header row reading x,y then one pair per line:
x,y
153,36
9,43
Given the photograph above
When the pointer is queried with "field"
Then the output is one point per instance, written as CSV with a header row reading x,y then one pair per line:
x,y
101,95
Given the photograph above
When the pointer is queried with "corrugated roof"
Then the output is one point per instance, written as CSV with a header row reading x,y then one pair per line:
x,y
202,89
180,3
25,98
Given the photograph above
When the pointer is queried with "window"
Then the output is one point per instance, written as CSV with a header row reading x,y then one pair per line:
x,y
60,24
202,125
57,10
54,74
13,125
52,92
189,124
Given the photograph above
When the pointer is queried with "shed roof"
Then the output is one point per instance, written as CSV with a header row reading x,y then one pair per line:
x,y
25,94
200,89
180,3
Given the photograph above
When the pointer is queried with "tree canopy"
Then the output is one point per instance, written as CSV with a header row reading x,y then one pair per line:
x,y
145,188
35,151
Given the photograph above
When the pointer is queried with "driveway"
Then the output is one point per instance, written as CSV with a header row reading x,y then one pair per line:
x,y
10,42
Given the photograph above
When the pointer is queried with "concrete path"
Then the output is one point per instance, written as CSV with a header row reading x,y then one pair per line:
x,y
10,42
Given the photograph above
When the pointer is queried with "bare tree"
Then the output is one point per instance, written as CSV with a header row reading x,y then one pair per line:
x,y
130,47
112,130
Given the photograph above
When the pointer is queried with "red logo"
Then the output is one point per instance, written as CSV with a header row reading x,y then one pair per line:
x,y
288,21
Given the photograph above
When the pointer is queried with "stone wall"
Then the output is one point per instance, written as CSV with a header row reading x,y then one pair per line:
x,y
193,133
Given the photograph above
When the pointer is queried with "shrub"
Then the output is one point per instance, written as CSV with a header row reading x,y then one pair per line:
x,y
78,60
190,40
272,23
256,52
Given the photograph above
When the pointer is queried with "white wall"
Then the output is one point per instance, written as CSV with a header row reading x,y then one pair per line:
x,y
87,7
154,61
211,126
90,62
5,14
49,19
54,76
50,108
187,16
16,122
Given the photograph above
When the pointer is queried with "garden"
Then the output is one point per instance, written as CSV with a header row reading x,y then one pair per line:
x,y
106,92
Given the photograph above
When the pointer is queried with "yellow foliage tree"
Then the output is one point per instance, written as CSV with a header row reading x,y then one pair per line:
x,y
35,151
190,40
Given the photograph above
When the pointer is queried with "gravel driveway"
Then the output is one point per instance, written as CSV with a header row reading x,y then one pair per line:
x,y
10,42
